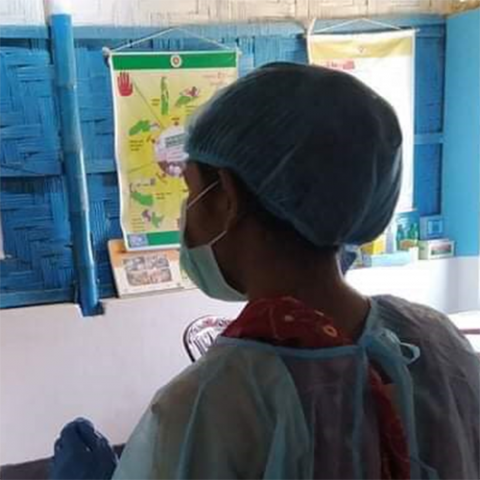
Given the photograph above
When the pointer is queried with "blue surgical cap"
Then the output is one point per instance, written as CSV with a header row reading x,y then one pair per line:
x,y
316,147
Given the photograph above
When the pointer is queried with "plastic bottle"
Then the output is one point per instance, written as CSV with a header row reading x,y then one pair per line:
x,y
400,236
391,234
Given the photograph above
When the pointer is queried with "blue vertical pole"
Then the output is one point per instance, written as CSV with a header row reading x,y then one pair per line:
x,y
66,83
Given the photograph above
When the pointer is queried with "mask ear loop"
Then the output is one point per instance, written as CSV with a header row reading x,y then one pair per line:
x,y
196,200
202,194
217,238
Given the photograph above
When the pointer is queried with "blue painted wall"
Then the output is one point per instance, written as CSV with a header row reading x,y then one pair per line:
x,y
32,191
461,168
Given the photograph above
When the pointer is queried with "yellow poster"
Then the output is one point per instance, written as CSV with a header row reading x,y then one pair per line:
x,y
154,96
385,61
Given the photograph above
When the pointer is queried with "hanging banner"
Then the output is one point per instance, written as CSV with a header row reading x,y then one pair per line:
x,y
154,95
385,61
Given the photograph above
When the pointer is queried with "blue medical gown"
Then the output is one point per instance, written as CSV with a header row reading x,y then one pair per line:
x,y
251,410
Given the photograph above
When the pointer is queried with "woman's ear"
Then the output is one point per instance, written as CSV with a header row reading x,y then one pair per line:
x,y
235,197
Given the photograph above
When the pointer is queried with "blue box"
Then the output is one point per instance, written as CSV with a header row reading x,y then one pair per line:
x,y
431,228
396,259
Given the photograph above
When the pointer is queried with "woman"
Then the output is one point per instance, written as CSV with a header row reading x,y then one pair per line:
x,y
313,380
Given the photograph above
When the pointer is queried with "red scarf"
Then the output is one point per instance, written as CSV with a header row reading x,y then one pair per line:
x,y
287,322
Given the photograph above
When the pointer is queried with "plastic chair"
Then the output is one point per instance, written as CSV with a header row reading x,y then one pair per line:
x,y
470,331
201,334
469,324
473,336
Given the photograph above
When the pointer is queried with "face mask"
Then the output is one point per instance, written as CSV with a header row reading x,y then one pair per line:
x,y
201,265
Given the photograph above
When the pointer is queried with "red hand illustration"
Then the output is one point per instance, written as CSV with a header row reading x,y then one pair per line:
x,y
125,86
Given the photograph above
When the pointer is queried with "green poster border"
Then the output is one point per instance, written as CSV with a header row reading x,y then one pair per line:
x,y
163,61
154,239
163,238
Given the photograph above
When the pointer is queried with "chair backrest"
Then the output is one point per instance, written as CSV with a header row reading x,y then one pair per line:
x,y
469,324
473,336
201,333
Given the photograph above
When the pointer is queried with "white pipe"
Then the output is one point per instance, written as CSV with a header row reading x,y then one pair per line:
x,y
57,7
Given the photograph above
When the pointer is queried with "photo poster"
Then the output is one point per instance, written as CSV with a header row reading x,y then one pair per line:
x,y
154,95
141,272
385,61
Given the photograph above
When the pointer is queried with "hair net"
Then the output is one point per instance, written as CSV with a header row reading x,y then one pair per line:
x,y
318,148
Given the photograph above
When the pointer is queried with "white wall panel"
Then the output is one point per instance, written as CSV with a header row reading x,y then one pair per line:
x,y
56,365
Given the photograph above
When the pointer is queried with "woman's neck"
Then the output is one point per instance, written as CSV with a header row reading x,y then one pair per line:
x,y
317,282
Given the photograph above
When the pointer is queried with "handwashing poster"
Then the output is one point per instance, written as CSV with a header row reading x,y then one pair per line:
x,y
385,61
154,96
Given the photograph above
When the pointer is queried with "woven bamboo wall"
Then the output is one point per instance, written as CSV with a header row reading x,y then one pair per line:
x,y
32,192
161,12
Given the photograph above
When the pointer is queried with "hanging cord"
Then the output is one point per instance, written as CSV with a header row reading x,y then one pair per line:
x,y
311,29
108,51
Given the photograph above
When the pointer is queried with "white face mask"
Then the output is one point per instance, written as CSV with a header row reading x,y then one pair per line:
x,y
200,263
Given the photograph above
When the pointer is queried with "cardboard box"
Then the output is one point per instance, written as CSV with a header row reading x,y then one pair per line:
x,y
434,249
377,247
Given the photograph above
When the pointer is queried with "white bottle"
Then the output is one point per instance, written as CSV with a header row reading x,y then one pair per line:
x,y
391,234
